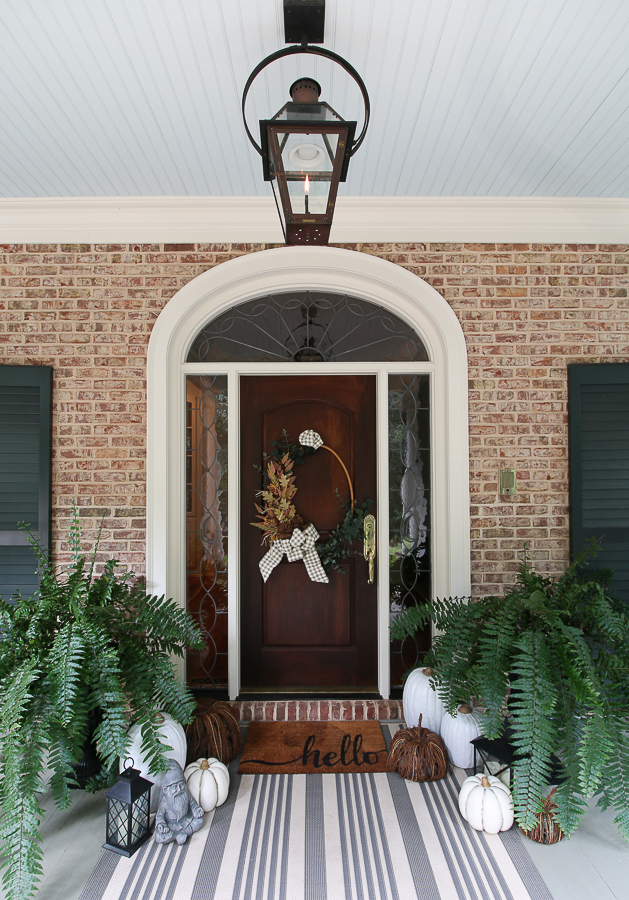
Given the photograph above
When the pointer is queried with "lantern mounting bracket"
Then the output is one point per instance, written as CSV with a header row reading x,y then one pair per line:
x,y
304,21
315,51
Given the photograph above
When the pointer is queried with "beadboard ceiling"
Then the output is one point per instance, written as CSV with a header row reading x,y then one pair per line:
x,y
470,98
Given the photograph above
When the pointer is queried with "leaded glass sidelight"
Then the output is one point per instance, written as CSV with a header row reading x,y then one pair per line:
x,y
409,510
206,531
307,326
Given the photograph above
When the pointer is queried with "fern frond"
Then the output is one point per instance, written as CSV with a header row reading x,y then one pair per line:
x,y
454,653
578,666
62,754
153,749
15,693
108,694
571,806
532,702
408,622
65,665
538,605
170,693
615,774
21,843
166,624
595,749
496,649
20,765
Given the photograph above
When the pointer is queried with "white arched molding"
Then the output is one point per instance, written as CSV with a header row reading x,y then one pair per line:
x,y
299,268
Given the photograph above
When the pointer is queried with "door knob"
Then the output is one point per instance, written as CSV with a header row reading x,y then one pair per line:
x,y
370,544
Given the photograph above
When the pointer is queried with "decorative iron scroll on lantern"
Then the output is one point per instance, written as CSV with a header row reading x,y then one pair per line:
x,y
306,148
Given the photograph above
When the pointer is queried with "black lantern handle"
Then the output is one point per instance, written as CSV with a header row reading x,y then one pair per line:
x,y
316,51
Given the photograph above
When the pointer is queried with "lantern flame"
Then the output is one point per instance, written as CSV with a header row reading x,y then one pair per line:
x,y
307,185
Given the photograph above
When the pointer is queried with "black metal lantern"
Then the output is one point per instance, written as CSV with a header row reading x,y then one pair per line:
x,y
128,812
306,149
497,757
493,758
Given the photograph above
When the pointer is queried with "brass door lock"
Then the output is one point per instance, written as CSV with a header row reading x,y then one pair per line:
x,y
370,544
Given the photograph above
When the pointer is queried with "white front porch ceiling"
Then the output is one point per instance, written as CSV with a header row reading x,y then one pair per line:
x,y
485,98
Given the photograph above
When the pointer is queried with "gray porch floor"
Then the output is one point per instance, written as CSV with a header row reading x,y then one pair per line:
x,y
593,863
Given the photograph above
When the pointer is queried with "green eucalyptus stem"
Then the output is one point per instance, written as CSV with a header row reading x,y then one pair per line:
x,y
339,545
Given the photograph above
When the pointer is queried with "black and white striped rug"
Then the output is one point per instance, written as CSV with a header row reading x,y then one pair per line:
x,y
328,837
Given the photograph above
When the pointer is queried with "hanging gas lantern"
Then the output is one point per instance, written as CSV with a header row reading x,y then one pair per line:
x,y
305,153
128,812
306,148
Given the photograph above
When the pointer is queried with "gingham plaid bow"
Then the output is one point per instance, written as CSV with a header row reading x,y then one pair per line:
x,y
301,545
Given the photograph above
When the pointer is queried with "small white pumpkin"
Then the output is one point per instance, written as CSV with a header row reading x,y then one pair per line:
x,y
486,803
421,699
172,734
208,782
457,732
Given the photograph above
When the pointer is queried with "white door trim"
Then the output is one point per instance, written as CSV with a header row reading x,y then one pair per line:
x,y
298,268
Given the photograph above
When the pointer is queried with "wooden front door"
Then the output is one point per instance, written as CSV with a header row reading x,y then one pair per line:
x,y
295,633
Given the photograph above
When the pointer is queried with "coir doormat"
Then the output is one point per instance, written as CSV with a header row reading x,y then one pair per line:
x,y
306,748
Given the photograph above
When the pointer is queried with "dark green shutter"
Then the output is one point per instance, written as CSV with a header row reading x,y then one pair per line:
x,y
25,472
598,397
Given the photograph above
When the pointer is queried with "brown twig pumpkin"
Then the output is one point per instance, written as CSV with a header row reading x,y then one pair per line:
x,y
548,830
418,754
214,731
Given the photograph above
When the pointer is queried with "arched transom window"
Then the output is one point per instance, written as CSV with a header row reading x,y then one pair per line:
x,y
307,326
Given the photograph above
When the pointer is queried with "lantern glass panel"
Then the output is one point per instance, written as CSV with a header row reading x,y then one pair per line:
x,y
308,112
492,762
498,769
117,823
311,157
278,202
139,818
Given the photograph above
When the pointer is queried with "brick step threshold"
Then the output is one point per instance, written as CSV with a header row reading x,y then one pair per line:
x,y
316,710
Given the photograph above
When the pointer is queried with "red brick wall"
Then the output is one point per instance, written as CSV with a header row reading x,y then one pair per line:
x,y
526,310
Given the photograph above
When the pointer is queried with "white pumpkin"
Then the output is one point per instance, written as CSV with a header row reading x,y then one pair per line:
x,y
457,732
486,803
420,699
171,734
208,782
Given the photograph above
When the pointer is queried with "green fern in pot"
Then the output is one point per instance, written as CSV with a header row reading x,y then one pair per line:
x,y
554,655
82,644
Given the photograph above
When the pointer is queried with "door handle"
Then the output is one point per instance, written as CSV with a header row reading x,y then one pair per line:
x,y
370,544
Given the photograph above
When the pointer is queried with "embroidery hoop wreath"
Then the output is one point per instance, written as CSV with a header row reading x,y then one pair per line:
x,y
279,490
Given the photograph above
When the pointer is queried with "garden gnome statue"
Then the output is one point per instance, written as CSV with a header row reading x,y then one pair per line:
x,y
178,813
